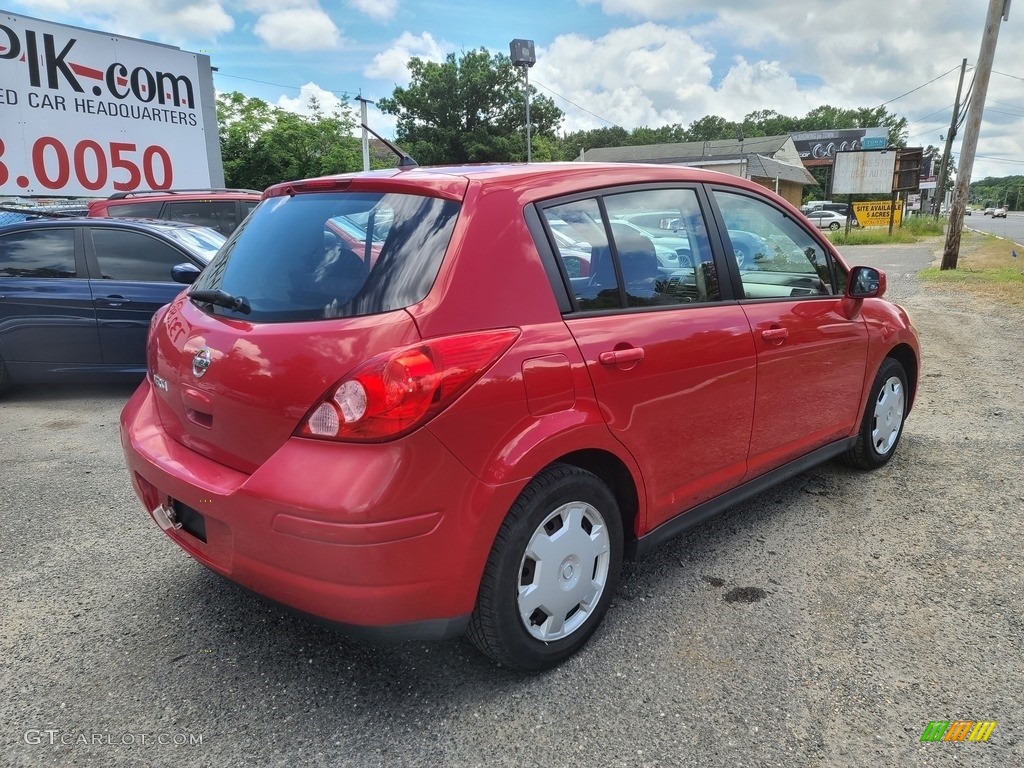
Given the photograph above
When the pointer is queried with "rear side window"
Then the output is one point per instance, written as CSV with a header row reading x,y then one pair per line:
x,y
135,210
326,255
216,214
44,253
659,253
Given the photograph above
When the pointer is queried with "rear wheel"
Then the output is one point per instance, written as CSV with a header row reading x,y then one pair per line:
x,y
551,573
884,416
834,226
5,378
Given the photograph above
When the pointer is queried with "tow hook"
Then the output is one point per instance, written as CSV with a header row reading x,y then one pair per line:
x,y
166,517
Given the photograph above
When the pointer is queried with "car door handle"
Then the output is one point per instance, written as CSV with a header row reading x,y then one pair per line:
x,y
113,301
619,356
775,335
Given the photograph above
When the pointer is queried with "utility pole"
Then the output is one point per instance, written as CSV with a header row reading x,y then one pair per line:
x,y
940,185
998,11
366,136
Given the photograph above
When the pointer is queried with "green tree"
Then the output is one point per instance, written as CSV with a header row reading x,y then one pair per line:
x,y
469,109
711,128
571,144
993,192
262,145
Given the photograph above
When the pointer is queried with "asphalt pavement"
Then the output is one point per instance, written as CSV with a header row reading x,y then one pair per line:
x,y
825,623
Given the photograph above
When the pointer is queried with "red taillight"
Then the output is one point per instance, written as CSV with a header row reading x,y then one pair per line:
x,y
395,392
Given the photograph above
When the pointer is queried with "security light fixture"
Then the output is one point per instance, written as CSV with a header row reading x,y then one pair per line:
x,y
523,54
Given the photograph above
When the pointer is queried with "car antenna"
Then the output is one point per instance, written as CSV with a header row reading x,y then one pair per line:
x,y
404,159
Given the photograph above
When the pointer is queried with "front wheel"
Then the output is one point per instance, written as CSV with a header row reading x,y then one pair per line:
x,y
5,379
884,416
552,571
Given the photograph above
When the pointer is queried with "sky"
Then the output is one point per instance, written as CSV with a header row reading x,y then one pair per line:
x,y
607,62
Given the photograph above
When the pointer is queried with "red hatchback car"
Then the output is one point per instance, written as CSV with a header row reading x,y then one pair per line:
x,y
448,430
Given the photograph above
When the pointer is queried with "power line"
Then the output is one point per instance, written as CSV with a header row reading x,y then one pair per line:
x,y
1015,77
998,159
914,90
346,94
569,101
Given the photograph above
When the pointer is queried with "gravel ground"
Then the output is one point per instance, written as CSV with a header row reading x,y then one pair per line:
x,y
825,623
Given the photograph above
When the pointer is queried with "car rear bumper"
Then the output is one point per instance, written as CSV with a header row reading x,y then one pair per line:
x,y
386,539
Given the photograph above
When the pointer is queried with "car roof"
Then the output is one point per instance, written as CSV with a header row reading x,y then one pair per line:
x,y
159,225
179,194
533,180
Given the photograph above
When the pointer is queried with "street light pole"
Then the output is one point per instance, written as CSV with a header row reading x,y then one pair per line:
x,y
523,55
529,143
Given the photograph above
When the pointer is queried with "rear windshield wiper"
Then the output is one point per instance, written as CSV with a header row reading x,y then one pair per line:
x,y
222,299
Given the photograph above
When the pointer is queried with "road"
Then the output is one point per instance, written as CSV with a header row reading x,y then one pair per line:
x,y
824,623
1010,228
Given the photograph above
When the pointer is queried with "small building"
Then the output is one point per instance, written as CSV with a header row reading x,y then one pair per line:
x,y
771,161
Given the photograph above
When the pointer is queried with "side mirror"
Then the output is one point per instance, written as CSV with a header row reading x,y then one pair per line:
x,y
865,283
185,273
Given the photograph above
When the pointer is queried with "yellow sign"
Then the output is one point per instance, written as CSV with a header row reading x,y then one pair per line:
x,y
876,214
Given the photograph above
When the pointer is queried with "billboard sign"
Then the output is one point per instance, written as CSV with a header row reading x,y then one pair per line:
x,y
868,172
820,147
89,114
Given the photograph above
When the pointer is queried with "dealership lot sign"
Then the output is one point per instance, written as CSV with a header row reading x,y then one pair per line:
x,y
86,113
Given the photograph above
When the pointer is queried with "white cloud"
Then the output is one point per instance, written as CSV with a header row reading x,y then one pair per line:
x,y
298,29
168,21
390,64
786,56
644,75
328,101
382,10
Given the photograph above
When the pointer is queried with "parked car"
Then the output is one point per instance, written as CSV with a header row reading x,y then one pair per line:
x,y
77,295
220,209
823,219
999,213
469,438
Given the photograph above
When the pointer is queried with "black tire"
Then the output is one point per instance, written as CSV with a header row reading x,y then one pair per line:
x,y
834,226
5,378
497,627
883,420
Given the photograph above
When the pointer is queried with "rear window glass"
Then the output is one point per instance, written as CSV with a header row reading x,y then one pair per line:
x,y
326,255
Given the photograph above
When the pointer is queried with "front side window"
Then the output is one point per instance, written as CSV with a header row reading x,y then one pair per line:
x,y
316,256
40,253
777,257
124,255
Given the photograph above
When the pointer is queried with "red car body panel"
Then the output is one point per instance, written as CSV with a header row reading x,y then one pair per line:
x,y
826,352
396,534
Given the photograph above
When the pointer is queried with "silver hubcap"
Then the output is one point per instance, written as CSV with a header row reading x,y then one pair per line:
x,y
889,409
564,571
